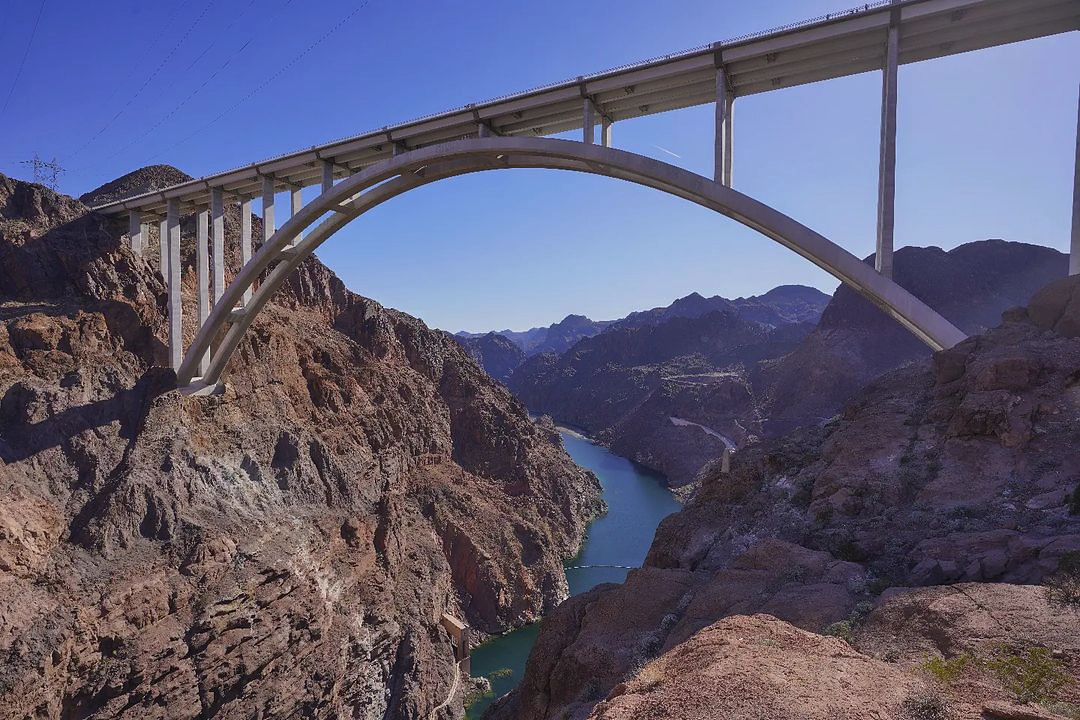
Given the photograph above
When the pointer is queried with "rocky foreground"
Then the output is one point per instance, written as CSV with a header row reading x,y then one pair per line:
x,y
286,549
885,565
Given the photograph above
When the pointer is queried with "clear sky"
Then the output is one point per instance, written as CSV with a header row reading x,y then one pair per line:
x,y
985,146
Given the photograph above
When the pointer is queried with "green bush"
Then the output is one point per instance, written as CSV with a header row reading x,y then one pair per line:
x,y
1032,676
843,630
945,670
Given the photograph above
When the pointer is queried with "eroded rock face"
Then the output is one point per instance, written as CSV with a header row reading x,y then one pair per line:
x,y
286,549
761,667
1057,307
970,285
495,353
957,469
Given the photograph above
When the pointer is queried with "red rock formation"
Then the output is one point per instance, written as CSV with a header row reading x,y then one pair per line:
x,y
285,549
761,667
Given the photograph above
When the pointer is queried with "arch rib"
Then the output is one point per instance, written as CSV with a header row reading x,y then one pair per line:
x,y
397,175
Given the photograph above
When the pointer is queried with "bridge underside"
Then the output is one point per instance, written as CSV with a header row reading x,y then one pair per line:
x,y
282,252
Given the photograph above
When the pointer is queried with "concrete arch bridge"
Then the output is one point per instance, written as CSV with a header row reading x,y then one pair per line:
x,y
360,173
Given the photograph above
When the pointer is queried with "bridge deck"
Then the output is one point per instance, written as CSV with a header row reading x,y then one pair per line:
x,y
845,44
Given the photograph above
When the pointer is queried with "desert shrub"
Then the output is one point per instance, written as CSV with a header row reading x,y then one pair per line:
x,y
926,704
947,670
1032,676
650,677
843,629
862,609
1063,587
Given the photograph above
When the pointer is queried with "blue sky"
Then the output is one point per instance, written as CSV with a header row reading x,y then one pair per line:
x,y
985,145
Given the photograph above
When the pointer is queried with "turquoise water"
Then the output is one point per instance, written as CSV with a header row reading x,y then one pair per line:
x,y
637,502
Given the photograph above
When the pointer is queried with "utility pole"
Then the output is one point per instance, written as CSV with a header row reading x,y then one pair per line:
x,y
45,173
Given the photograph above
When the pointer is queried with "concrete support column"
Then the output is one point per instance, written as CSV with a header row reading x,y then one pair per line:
x,y
296,201
720,128
176,335
588,132
1074,247
605,131
268,208
883,257
135,232
202,275
217,221
729,139
482,130
245,239
327,175
163,249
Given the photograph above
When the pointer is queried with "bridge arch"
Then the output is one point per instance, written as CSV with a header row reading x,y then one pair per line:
x,y
385,180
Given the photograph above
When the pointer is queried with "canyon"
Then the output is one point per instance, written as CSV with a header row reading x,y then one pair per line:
x,y
285,549
291,547
917,523
671,387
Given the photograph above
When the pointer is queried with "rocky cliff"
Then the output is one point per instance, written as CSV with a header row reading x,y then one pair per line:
x,y
971,285
285,549
957,469
495,353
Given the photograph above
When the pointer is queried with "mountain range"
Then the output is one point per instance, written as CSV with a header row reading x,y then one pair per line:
x,y
671,387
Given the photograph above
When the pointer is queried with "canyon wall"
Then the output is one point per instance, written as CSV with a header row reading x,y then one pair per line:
x,y
284,549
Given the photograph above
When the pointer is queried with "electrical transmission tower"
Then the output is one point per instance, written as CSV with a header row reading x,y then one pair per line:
x,y
45,173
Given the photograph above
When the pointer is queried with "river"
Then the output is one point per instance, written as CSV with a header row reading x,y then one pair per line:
x,y
637,502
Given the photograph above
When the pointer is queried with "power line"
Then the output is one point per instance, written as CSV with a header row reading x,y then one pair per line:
x,y
263,85
213,42
169,115
149,46
18,73
132,98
